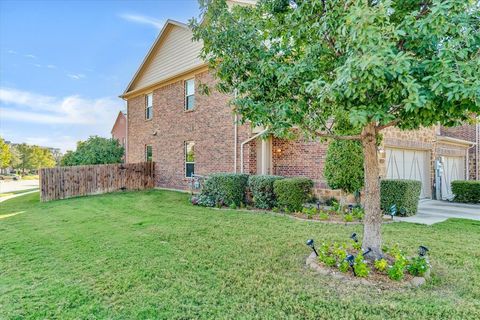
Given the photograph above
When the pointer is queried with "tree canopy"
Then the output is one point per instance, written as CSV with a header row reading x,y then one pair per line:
x,y
5,154
304,64
95,150
27,157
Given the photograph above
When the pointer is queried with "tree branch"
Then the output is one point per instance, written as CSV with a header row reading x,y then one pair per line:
x,y
390,124
335,136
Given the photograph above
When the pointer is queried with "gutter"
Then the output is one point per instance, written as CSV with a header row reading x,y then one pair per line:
x,y
245,142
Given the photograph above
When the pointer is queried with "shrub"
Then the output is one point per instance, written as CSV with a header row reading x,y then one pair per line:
x,y
292,193
262,191
344,165
417,266
466,191
225,189
402,193
360,267
381,265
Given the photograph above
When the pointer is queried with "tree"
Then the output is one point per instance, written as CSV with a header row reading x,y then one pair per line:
x,y
344,166
5,154
25,153
301,64
96,150
42,158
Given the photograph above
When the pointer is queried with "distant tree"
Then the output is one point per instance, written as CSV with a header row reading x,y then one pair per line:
x,y
42,158
25,153
15,158
5,154
96,150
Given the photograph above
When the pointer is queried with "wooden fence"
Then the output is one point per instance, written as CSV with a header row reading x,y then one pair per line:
x,y
67,182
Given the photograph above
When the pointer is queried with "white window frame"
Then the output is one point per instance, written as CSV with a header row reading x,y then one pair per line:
x,y
149,108
189,94
185,155
146,152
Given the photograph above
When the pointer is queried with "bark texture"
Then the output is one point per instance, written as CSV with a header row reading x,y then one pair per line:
x,y
373,215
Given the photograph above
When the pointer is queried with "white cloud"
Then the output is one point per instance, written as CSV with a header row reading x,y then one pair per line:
x,y
31,56
137,18
76,76
51,66
25,106
12,51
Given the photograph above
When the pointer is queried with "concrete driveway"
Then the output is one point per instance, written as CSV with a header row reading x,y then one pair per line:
x,y
434,211
10,186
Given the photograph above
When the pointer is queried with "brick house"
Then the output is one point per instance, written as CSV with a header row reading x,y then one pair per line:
x,y
119,129
185,133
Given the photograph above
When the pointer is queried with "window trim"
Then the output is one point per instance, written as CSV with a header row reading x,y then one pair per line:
x,y
185,98
146,153
147,107
185,157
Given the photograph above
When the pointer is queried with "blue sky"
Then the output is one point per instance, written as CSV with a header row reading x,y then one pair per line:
x,y
63,64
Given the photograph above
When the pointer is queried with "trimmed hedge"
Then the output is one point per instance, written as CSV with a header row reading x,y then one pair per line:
x,y
292,193
262,191
224,189
466,191
403,193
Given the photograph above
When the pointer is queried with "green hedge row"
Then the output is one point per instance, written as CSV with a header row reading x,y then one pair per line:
x,y
262,191
224,189
466,191
292,193
404,194
267,191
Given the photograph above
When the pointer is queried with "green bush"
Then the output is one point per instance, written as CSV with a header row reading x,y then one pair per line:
x,y
404,194
262,191
466,191
292,193
225,189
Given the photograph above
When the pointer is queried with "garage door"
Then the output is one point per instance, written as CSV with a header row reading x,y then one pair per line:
x,y
410,164
453,169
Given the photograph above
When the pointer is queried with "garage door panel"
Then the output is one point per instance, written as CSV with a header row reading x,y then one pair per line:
x,y
409,164
453,169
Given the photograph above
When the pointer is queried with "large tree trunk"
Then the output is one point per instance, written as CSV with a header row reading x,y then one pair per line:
x,y
372,237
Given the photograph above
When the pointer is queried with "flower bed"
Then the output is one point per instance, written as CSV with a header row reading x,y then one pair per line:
x,y
349,261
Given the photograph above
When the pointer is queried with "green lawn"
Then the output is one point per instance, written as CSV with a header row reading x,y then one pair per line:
x,y
151,255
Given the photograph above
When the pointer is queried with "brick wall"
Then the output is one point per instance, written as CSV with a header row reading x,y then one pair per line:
x,y
210,125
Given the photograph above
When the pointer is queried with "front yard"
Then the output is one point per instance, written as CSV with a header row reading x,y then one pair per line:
x,y
153,255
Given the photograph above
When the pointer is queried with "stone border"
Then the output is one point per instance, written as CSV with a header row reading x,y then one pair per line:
x,y
312,263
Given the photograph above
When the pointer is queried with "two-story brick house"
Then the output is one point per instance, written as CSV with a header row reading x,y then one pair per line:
x,y
186,132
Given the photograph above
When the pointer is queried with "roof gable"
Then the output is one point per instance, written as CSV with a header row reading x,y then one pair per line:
x,y
173,52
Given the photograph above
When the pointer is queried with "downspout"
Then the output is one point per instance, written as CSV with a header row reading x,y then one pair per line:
x,y
235,143
245,142
477,157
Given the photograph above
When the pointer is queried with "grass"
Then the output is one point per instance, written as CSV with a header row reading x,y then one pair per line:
x,y
151,255
11,193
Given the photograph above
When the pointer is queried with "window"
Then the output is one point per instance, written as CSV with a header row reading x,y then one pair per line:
x,y
189,159
149,106
189,94
148,153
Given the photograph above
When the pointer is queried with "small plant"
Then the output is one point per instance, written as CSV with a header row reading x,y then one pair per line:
x,y
275,209
360,267
396,272
323,215
381,265
344,266
336,206
348,217
232,206
329,261
417,266
357,245
358,213
309,212
339,252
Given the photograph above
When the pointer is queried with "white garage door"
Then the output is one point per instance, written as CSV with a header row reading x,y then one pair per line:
x,y
453,169
410,164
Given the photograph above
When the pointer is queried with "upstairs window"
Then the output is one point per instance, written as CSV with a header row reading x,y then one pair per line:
x,y
149,106
189,159
189,94
148,153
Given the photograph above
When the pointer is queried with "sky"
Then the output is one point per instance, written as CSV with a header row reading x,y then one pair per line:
x,y
63,64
